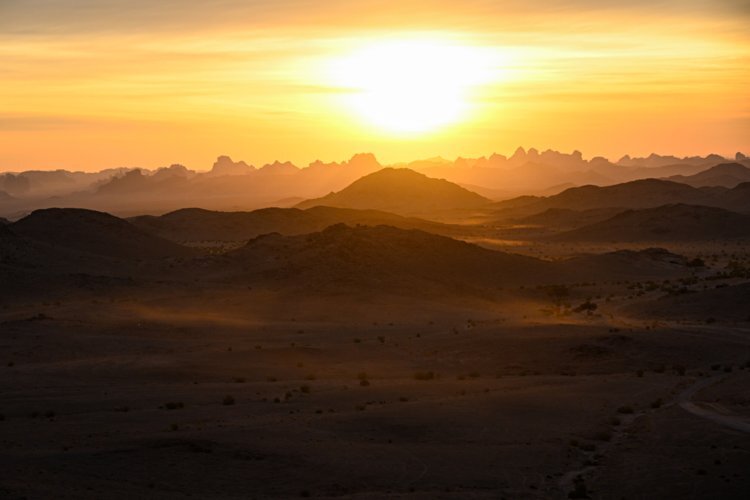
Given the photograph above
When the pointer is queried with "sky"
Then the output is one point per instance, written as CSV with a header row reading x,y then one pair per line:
x,y
93,84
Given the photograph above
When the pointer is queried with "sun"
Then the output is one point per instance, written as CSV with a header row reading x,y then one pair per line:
x,y
410,86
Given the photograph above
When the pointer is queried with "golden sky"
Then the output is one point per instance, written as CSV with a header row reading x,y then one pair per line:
x,y
91,84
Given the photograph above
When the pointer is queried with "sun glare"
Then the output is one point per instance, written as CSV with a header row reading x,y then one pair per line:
x,y
410,86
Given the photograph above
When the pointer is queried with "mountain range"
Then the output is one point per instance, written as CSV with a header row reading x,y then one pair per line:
x,y
237,185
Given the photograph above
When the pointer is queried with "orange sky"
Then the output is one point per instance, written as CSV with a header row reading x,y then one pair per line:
x,y
90,84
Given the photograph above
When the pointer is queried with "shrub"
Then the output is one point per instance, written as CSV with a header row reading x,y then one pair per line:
x,y
424,375
174,405
227,401
625,410
656,403
305,389
364,382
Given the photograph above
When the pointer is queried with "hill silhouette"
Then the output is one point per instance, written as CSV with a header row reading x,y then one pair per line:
x,y
384,259
640,194
195,224
567,218
402,191
726,174
666,223
96,233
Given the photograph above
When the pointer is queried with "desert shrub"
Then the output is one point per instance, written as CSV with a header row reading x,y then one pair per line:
x,y
174,405
639,373
310,376
615,421
424,375
228,400
305,389
364,382
656,403
679,370
403,399
122,409
239,380
728,369
625,410
587,307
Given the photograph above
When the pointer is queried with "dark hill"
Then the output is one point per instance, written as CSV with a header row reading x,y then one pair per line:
x,y
194,224
665,223
562,218
95,233
726,174
640,194
384,259
401,191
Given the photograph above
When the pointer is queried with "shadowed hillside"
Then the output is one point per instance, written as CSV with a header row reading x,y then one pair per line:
x,y
195,224
726,174
566,218
95,233
401,191
665,223
646,193
727,303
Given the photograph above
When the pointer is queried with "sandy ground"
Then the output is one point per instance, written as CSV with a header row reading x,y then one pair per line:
x,y
131,396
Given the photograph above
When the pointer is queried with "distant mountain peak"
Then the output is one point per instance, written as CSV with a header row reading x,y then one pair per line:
x,y
225,166
400,190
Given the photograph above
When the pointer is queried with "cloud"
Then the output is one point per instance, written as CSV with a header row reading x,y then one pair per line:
x,y
65,17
